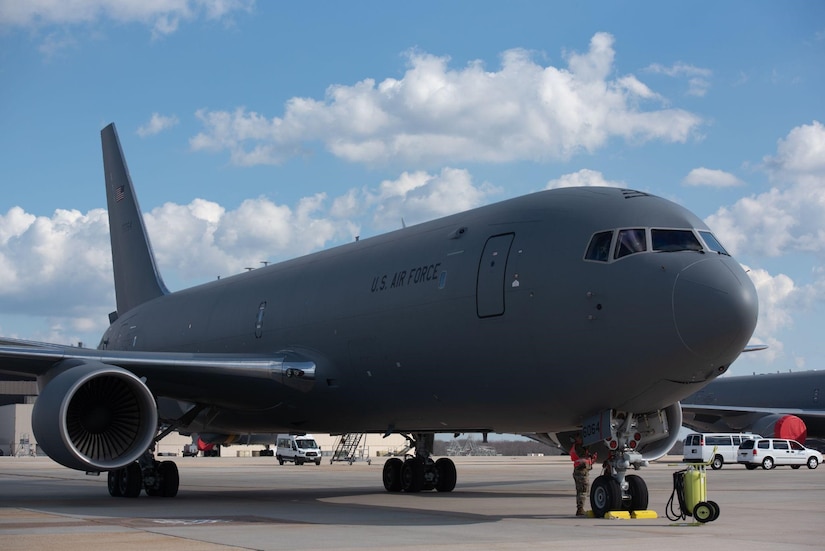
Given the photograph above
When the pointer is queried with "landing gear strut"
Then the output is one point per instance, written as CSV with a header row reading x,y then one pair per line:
x,y
419,472
615,490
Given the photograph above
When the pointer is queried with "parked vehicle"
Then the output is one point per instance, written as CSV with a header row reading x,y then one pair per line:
x,y
770,452
699,448
298,449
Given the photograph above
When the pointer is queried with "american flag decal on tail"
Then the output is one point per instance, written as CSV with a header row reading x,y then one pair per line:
x,y
120,193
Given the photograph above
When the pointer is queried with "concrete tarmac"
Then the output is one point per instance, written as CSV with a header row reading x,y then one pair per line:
x,y
499,503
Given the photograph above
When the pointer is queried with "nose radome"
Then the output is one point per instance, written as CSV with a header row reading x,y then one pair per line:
x,y
714,308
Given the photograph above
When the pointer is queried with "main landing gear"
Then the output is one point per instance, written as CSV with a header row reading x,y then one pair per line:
x,y
615,490
157,478
419,472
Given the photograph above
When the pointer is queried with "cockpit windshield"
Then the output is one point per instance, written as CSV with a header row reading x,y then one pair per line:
x,y
674,240
631,241
713,243
611,245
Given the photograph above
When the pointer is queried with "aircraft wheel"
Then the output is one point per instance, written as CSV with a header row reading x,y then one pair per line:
x,y
813,462
113,482
703,512
768,463
605,495
130,481
447,476
392,474
638,492
412,475
717,463
169,478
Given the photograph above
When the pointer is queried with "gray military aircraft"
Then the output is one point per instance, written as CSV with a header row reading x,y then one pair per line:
x,y
591,310
780,405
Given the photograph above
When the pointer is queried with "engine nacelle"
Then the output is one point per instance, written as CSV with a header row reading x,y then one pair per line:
x,y
95,417
785,426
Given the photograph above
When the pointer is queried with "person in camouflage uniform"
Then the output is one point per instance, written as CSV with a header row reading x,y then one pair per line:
x,y
582,464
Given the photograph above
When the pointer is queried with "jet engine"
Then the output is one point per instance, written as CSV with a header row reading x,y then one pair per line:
x,y
95,417
781,426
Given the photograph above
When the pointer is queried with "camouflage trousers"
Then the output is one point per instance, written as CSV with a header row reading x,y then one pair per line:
x,y
582,479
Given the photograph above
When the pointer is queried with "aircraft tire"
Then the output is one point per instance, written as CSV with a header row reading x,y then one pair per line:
x,y
392,474
130,480
169,477
412,475
605,495
637,488
447,475
113,482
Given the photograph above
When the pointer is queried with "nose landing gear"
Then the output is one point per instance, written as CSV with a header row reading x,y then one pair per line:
x,y
615,490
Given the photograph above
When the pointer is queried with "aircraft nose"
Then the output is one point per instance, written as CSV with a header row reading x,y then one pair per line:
x,y
715,308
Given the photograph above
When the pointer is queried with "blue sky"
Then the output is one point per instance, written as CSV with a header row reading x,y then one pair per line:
x,y
264,130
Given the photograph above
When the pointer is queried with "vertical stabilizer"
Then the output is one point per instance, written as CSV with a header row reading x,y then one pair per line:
x,y
137,279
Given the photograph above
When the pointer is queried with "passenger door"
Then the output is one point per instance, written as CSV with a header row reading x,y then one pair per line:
x,y
492,269
782,452
797,453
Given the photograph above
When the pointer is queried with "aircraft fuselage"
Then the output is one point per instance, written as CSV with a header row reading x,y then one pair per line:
x,y
498,306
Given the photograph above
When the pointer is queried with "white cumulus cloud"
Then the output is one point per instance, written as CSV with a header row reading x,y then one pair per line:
x,y
584,177
162,16
710,177
790,217
698,78
157,124
435,114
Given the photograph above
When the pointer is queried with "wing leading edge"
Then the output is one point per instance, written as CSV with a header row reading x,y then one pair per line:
x,y
242,381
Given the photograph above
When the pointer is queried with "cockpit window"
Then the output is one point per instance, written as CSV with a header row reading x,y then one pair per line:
x,y
630,241
599,247
674,240
712,243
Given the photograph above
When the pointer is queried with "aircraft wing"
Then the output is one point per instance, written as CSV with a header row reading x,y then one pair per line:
x,y
714,418
244,381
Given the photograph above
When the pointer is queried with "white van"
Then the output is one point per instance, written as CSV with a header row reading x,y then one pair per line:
x,y
699,447
299,449
770,452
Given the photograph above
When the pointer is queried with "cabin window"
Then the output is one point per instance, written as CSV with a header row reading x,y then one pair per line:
x,y
599,247
674,240
630,242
